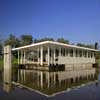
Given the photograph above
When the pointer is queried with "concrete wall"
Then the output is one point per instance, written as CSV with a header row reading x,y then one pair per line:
x,y
7,64
75,60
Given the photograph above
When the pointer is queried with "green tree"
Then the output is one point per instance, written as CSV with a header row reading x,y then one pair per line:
x,y
1,50
97,55
13,41
86,45
26,40
96,45
43,39
62,40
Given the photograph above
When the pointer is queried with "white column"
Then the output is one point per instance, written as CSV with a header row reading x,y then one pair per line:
x,y
24,56
68,52
93,54
18,56
54,56
38,56
59,55
38,78
24,75
48,79
60,51
82,53
87,53
18,74
7,64
48,55
41,56
41,80
74,59
73,52
21,56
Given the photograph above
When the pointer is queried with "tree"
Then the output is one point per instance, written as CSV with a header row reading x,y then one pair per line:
x,y
96,45
26,40
97,55
62,40
13,41
86,45
43,39
1,50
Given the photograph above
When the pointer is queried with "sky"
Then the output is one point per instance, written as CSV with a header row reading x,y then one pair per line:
x,y
74,20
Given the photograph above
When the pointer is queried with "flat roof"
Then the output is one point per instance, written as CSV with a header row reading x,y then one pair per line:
x,y
54,43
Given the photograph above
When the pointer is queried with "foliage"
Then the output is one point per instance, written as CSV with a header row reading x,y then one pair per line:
x,y
43,39
97,55
13,41
14,61
26,40
86,45
96,45
1,50
62,40
1,64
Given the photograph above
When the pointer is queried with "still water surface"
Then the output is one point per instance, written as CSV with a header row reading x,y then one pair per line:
x,y
48,83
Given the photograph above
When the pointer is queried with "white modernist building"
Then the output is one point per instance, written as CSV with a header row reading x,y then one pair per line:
x,y
50,52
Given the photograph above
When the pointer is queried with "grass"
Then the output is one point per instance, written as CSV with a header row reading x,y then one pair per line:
x,y
1,64
98,61
14,62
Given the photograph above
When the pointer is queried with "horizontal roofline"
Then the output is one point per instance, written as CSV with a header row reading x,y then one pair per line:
x,y
55,43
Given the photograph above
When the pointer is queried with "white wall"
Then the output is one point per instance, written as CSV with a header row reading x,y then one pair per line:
x,y
75,60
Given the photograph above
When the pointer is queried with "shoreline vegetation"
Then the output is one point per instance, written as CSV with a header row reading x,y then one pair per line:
x,y
1,64
98,61
14,62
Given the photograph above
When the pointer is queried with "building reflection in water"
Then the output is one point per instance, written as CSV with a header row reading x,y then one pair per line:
x,y
43,80
7,87
48,82
7,79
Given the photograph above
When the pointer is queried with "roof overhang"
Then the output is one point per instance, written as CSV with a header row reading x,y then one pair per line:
x,y
52,43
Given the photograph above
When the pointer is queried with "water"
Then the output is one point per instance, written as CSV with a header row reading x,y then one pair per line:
x,y
53,82
49,83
